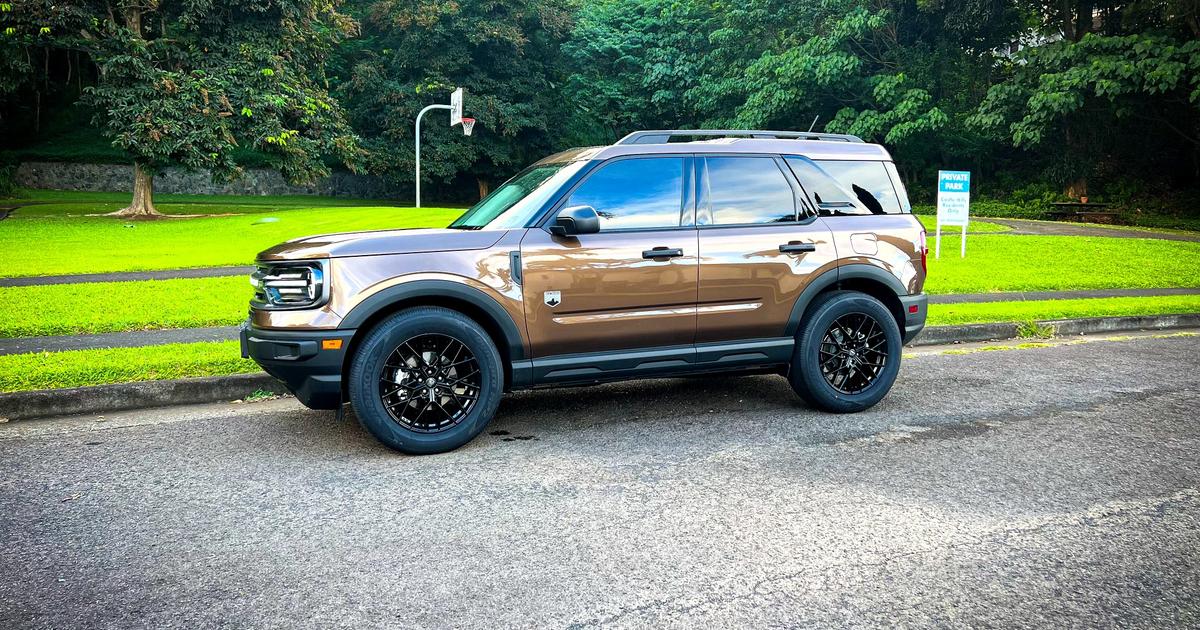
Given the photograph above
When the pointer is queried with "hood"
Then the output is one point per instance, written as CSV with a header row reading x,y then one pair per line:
x,y
412,241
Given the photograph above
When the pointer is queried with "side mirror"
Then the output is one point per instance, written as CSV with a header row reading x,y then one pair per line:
x,y
575,220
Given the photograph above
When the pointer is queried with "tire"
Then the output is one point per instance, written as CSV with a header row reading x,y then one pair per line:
x,y
830,377
438,402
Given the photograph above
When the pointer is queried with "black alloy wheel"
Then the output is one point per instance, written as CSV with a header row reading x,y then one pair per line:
x,y
430,383
848,352
853,352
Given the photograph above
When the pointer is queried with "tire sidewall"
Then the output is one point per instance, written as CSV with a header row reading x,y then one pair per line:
x,y
806,360
367,365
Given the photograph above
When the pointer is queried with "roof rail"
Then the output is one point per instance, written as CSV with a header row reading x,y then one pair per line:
x,y
663,136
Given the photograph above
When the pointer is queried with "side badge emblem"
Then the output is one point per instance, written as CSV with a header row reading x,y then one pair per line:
x,y
552,298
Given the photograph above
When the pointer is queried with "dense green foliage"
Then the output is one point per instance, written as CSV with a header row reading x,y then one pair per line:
x,y
1040,100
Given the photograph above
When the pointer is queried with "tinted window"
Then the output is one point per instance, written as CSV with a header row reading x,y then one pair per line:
x,y
868,181
516,201
748,190
832,198
634,193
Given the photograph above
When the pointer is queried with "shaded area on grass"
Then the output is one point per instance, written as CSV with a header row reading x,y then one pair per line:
x,y
987,312
77,368
976,227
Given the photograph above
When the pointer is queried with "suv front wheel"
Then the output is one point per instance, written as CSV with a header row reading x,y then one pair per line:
x,y
426,380
847,353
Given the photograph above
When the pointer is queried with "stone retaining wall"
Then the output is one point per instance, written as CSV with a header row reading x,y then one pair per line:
x,y
257,181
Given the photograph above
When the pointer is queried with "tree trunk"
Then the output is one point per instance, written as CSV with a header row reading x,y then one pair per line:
x,y
484,187
142,206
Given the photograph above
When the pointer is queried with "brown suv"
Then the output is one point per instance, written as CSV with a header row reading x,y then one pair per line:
x,y
756,251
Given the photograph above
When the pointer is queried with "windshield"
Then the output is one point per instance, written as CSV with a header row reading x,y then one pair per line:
x,y
514,203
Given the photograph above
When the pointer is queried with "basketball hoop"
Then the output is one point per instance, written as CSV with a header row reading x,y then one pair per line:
x,y
468,126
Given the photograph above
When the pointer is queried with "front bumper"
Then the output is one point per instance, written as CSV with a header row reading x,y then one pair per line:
x,y
914,319
297,357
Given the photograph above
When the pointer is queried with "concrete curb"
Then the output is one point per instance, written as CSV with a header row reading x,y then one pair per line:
x,y
186,391
122,396
939,335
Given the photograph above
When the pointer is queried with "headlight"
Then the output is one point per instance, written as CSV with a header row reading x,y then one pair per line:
x,y
288,285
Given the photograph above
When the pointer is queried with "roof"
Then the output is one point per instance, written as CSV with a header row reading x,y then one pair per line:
x,y
812,149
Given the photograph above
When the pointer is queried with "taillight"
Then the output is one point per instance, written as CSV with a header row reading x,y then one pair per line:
x,y
924,253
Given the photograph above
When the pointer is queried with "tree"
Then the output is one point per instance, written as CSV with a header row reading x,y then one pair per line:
x,y
188,82
1122,98
413,54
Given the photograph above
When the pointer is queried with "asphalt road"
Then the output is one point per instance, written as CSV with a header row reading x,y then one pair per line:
x,y
1054,487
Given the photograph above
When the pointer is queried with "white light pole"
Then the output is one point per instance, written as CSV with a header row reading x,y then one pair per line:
x,y
417,133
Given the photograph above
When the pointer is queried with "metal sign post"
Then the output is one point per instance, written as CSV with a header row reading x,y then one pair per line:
x,y
456,117
953,206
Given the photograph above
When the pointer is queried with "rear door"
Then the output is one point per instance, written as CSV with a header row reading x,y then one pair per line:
x,y
632,285
760,246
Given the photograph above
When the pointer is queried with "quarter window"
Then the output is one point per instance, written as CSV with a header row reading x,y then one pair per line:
x,y
868,181
748,190
831,197
640,193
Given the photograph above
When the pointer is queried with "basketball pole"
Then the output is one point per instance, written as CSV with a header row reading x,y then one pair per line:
x,y
417,134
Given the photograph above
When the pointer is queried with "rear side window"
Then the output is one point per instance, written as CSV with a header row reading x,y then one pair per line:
x,y
868,181
743,190
636,193
831,197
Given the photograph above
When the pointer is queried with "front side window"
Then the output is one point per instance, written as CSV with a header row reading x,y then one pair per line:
x,y
743,190
636,193
831,197
869,182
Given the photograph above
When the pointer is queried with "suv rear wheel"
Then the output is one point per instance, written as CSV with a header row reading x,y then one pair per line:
x,y
426,380
847,353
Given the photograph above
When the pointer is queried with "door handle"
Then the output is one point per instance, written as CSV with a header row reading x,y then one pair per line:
x,y
796,247
662,252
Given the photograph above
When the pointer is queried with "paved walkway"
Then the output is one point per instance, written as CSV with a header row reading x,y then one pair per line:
x,y
1025,296
1027,227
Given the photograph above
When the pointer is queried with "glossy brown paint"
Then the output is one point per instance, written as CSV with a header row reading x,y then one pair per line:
x,y
747,286
611,297
890,242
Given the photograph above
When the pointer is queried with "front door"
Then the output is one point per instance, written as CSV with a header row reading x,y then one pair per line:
x,y
760,246
632,285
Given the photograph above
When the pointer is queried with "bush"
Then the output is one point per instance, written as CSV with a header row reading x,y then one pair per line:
x,y
992,208
8,172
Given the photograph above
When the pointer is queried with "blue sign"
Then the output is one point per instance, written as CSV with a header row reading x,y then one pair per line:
x,y
954,181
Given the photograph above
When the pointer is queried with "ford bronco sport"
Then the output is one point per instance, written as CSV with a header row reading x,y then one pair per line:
x,y
660,255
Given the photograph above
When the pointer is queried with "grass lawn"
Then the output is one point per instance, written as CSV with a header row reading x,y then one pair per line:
x,y
75,368
951,314
975,227
71,309
1001,262
51,244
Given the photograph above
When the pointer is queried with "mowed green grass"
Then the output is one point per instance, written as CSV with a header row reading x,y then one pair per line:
x,y
54,244
77,368
96,307
986,312
1045,263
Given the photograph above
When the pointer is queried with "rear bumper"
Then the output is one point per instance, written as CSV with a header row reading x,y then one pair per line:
x,y
311,373
914,319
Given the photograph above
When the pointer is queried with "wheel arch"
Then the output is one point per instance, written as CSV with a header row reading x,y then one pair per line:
x,y
868,279
473,303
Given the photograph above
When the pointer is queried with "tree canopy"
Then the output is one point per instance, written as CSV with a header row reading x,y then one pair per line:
x,y
1036,97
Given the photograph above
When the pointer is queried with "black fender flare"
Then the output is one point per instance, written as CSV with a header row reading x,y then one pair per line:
x,y
832,277
418,289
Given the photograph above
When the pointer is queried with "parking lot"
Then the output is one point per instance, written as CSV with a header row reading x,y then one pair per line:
x,y
1032,487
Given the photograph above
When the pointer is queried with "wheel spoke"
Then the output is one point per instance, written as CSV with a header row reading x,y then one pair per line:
x,y
427,371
